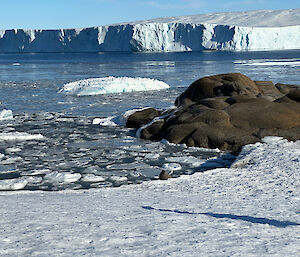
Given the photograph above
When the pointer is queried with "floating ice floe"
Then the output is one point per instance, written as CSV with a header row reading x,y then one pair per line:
x,y
61,178
91,178
111,85
6,115
20,136
13,184
118,180
277,62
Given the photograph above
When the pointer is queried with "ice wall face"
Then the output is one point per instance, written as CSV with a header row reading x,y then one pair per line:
x,y
158,37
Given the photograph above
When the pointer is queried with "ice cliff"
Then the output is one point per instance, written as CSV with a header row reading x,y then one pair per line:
x,y
256,30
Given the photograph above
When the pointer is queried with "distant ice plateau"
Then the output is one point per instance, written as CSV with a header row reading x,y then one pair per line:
x,y
235,31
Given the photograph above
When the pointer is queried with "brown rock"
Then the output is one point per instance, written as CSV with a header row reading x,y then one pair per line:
x,y
231,84
153,131
269,91
286,88
142,117
245,121
294,95
260,113
217,103
227,111
164,175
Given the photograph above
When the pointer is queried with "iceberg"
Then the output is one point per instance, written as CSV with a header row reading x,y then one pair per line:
x,y
252,30
111,85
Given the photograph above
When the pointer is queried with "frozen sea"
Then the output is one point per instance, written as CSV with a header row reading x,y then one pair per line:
x,y
51,142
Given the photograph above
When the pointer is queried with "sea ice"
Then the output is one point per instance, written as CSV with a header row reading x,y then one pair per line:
x,y
11,160
117,181
13,184
152,156
172,166
91,178
106,122
61,178
6,115
13,150
276,62
248,211
182,159
111,85
20,136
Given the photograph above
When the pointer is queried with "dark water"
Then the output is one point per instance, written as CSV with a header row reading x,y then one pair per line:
x,y
76,154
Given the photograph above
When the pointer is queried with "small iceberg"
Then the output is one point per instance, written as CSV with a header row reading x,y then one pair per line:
x,y
111,85
6,115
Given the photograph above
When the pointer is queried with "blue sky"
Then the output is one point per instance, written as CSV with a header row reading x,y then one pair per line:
x,y
51,14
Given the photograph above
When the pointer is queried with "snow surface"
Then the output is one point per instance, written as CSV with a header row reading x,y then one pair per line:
x,y
250,209
111,85
253,30
256,18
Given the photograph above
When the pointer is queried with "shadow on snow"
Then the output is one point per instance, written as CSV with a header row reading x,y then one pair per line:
x,y
271,222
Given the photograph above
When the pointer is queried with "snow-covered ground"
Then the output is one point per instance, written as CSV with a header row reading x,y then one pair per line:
x,y
111,85
251,209
269,18
254,30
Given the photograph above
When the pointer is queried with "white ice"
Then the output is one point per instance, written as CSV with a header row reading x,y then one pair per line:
x,y
57,178
91,178
269,18
252,30
172,166
276,62
111,85
12,184
251,209
19,136
6,115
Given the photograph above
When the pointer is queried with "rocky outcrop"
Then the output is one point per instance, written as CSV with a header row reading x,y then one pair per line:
x,y
227,111
233,84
